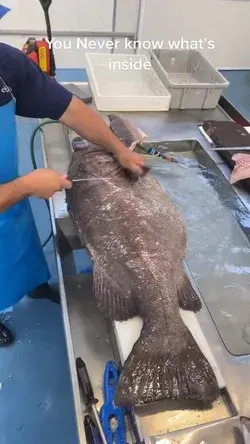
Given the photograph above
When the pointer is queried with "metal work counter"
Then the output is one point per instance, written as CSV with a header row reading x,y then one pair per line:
x,y
87,334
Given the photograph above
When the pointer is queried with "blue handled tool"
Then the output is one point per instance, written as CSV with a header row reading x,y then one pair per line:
x,y
109,412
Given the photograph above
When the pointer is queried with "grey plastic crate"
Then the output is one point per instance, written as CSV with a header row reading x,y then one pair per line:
x,y
191,80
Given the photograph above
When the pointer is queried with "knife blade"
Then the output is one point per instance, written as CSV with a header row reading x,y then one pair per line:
x,y
90,178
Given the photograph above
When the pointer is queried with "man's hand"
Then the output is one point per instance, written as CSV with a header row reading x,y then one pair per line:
x,y
132,161
41,183
44,183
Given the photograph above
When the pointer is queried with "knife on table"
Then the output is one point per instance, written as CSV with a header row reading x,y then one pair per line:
x,y
231,148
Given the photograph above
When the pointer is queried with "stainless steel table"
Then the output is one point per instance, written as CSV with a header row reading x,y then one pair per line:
x,y
86,332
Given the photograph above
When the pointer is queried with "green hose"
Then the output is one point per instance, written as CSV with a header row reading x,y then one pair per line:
x,y
33,160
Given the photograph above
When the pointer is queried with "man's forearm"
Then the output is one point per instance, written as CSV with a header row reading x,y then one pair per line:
x,y
12,193
89,125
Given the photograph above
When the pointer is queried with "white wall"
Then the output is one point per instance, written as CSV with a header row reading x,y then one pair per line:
x,y
224,22
69,15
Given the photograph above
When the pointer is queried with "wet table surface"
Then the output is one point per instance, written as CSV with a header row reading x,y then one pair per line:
x,y
217,221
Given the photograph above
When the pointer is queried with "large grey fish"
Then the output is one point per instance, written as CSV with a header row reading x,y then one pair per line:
x,y
136,238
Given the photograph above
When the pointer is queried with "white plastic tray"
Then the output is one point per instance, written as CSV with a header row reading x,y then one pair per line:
x,y
118,86
128,332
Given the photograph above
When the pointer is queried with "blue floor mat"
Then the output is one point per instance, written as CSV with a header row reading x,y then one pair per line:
x,y
36,401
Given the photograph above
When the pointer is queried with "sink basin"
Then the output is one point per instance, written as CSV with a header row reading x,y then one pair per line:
x,y
218,229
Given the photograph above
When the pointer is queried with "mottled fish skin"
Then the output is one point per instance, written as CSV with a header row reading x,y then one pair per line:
x,y
137,239
154,196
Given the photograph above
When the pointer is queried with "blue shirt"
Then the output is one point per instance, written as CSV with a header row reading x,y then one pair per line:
x,y
36,94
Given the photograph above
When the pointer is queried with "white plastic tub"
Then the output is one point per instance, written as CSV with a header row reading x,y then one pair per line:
x,y
122,82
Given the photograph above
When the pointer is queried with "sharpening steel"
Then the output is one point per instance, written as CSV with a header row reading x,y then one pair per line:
x,y
90,178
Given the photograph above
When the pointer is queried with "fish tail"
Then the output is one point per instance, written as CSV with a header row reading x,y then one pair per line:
x,y
187,297
167,366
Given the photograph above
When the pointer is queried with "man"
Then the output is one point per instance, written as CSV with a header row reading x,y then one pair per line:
x,y
26,91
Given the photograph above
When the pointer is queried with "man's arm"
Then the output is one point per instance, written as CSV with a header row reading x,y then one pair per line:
x,y
37,95
41,183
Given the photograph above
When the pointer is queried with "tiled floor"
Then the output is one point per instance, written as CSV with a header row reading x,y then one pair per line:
x,y
36,404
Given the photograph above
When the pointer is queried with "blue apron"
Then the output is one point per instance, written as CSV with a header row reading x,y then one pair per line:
x,y
22,262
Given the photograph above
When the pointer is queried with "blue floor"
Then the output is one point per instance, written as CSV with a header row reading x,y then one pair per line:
x,y
36,405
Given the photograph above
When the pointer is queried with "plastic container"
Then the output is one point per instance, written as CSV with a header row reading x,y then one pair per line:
x,y
191,80
122,82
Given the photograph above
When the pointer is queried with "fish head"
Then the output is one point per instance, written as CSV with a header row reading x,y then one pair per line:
x,y
93,160
126,132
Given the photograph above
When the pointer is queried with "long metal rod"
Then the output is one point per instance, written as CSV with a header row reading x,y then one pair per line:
x,y
28,32
230,148
91,178
98,422
138,23
114,23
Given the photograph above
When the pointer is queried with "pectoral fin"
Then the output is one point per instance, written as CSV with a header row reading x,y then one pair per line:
x,y
114,297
